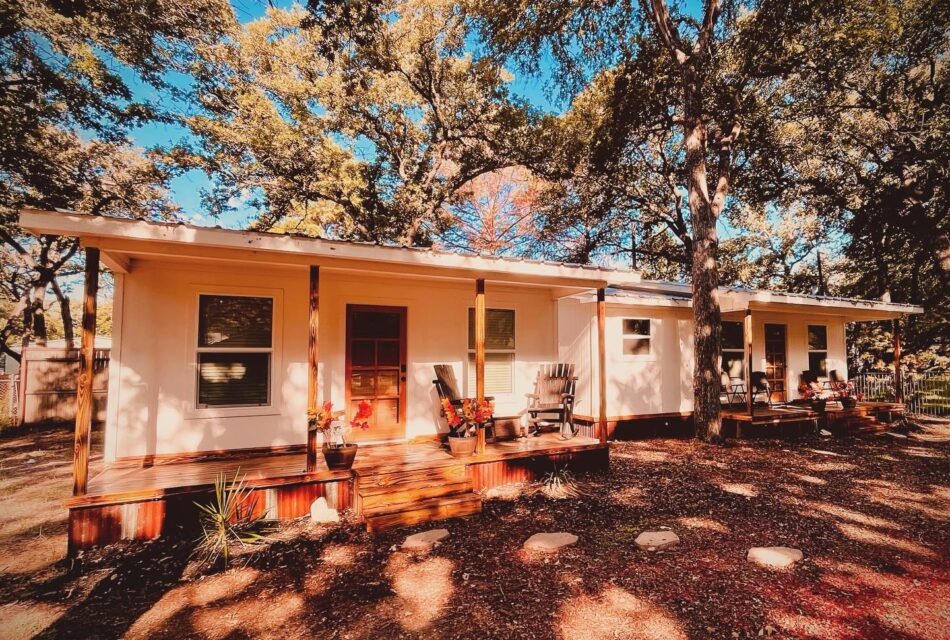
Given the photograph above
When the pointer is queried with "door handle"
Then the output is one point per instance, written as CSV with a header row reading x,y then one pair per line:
x,y
402,368
403,378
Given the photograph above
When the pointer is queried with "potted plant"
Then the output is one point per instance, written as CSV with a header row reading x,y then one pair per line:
x,y
464,424
338,454
847,395
818,403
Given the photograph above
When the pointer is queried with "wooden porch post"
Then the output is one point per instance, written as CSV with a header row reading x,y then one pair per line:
x,y
84,382
898,377
602,364
747,329
313,361
480,355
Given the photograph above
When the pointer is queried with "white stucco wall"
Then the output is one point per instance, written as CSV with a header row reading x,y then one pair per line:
x,y
153,396
661,383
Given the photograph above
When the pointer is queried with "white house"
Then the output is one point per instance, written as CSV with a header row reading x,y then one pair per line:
x,y
212,352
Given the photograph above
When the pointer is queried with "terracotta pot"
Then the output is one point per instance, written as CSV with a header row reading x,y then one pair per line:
x,y
462,447
849,403
340,458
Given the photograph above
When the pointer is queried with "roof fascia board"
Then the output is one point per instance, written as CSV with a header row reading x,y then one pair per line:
x,y
123,235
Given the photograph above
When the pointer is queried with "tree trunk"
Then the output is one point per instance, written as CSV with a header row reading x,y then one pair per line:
x,y
38,312
705,270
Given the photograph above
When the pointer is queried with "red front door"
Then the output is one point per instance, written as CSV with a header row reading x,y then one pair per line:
x,y
376,369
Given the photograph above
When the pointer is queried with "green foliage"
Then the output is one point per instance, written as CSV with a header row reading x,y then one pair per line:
x,y
228,520
559,484
66,67
350,127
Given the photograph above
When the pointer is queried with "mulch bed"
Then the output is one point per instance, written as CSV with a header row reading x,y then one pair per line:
x,y
871,516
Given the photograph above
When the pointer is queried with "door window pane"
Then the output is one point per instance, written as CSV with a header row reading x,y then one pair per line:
x,y
362,383
376,324
387,354
363,353
387,383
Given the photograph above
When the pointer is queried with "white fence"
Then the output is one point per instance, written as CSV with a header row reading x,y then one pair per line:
x,y
926,393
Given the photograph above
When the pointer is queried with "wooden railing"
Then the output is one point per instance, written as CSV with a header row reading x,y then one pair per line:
x,y
926,393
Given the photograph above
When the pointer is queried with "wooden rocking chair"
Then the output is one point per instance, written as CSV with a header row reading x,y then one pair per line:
x,y
448,389
553,399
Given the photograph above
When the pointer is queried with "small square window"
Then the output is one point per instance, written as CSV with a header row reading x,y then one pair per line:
x,y
637,338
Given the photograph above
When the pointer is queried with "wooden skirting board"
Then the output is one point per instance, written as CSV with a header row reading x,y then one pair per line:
x,y
387,493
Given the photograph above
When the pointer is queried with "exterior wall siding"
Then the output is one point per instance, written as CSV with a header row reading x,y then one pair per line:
x,y
660,384
155,377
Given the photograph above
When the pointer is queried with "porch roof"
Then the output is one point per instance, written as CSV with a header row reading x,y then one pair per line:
x,y
734,299
122,241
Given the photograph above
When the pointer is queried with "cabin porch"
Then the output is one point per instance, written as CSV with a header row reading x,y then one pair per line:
x,y
389,484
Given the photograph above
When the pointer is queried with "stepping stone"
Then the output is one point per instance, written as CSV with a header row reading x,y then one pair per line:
x,y
320,511
775,557
655,540
550,542
825,433
425,540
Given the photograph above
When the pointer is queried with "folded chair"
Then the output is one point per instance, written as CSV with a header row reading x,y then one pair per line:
x,y
733,390
448,389
553,398
760,384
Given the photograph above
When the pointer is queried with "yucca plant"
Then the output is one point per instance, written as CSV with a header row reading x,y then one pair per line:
x,y
227,520
559,484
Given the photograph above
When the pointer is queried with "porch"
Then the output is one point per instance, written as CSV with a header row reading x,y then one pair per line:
x,y
865,416
389,484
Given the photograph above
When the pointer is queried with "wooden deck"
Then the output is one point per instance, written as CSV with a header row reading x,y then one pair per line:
x,y
144,500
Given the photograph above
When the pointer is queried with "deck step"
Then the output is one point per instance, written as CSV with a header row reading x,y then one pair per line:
x,y
438,508
386,481
376,498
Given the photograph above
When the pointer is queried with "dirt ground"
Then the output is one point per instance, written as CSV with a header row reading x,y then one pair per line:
x,y
871,516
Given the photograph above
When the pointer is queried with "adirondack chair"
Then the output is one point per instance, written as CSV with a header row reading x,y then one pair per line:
x,y
553,398
760,384
448,389
835,383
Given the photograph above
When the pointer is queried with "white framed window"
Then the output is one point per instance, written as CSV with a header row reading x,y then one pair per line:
x,y
818,350
733,350
234,350
637,337
499,351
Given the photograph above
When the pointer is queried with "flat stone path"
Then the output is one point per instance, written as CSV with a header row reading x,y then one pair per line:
x,y
656,540
775,557
425,540
550,542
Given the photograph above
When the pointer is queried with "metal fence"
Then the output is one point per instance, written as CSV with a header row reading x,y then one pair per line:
x,y
925,393
9,399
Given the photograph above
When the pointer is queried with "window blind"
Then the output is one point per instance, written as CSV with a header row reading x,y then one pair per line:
x,y
499,373
227,322
499,328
